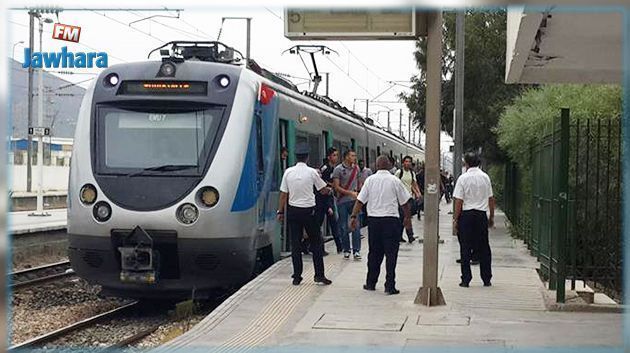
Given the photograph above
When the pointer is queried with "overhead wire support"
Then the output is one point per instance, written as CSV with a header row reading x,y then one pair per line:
x,y
311,50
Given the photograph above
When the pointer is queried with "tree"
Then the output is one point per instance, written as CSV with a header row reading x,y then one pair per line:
x,y
485,93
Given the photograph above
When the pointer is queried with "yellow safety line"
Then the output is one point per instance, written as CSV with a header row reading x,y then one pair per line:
x,y
270,318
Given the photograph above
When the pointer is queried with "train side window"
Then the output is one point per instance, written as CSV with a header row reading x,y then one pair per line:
x,y
378,150
314,147
337,145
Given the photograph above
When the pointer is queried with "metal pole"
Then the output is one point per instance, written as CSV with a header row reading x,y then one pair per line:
x,y
430,294
40,123
458,121
400,124
367,108
249,36
327,81
29,145
388,124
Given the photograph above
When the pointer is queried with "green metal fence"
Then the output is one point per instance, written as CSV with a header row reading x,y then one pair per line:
x,y
566,205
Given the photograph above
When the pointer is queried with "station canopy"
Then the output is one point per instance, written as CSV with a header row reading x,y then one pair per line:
x,y
554,45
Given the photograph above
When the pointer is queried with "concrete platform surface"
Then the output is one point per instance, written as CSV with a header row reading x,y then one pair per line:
x,y
22,223
271,314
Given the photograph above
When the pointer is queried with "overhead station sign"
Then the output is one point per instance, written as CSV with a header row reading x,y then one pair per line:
x,y
319,24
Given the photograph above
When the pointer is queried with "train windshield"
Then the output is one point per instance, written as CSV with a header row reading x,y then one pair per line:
x,y
156,141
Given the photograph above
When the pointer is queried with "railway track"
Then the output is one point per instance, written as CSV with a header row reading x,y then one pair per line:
x,y
77,326
40,274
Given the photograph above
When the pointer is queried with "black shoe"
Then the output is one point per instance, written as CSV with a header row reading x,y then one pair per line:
x,y
325,253
323,280
366,287
474,262
297,281
463,284
392,291
411,240
459,261
402,240
487,284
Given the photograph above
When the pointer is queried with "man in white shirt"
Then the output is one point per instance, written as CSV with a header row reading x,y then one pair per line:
x,y
297,186
473,199
383,193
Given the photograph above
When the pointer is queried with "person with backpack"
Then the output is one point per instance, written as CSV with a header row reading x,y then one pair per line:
x,y
346,182
408,178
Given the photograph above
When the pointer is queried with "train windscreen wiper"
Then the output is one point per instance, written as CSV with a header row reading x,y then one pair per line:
x,y
163,168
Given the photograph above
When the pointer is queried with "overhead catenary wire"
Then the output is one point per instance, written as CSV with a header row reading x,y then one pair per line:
x,y
195,28
331,61
350,77
127,25
186,33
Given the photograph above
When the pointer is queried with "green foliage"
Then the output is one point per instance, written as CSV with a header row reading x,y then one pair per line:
x,y
532,114
485,93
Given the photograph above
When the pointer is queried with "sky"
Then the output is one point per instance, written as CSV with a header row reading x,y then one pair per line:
x,y
361,69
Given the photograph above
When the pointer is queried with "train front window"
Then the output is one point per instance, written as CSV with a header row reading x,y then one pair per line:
x,y
155,140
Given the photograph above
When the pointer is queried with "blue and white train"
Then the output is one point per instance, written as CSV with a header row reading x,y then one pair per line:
x,y
176,166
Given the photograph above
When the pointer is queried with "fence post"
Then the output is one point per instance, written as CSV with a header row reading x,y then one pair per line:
x,y
563,192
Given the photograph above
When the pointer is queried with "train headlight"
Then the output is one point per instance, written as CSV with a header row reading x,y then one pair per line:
x,y
224,81
102,211
187,213
208,196
111,80
167,69
88,194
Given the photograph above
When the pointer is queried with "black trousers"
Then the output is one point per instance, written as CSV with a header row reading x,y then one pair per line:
x,y
383,237
401,224
473,237
300,220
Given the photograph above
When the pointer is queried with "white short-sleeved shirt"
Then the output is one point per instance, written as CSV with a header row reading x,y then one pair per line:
x,y
298,182
383,193
474,188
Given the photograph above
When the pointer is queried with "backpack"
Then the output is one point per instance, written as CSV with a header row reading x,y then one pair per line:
x,y
399,173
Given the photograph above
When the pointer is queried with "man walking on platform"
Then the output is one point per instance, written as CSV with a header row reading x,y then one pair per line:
x,y
408,178
383,193
297,186
473,199
346,182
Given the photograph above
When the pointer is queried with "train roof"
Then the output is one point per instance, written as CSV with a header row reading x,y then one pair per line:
x,y
217,52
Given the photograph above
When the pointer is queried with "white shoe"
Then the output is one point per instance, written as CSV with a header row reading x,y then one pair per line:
x,y
357,255
346,255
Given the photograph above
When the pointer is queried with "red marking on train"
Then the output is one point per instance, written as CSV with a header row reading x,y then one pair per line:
x,y
266,94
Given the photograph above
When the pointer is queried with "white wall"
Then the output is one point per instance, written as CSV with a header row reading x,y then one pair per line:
x,y
55,178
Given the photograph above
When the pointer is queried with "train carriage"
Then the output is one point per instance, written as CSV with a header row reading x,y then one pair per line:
x,y
175,171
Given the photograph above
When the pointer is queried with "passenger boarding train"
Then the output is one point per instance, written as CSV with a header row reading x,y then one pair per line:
x,y
176,166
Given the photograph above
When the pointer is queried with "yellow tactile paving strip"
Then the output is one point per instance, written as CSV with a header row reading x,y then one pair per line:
x,y
271,317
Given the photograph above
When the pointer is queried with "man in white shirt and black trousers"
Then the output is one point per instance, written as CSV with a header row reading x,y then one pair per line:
x,y
473,199
383,193
297,186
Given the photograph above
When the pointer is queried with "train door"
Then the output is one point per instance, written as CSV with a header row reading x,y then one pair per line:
x,y
286,140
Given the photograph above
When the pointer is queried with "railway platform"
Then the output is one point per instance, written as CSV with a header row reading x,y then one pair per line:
x,y
22,223
269,313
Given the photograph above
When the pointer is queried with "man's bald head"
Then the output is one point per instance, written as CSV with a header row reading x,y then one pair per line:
x,y
382,163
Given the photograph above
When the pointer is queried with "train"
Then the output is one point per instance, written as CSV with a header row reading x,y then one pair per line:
x,y
176,166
